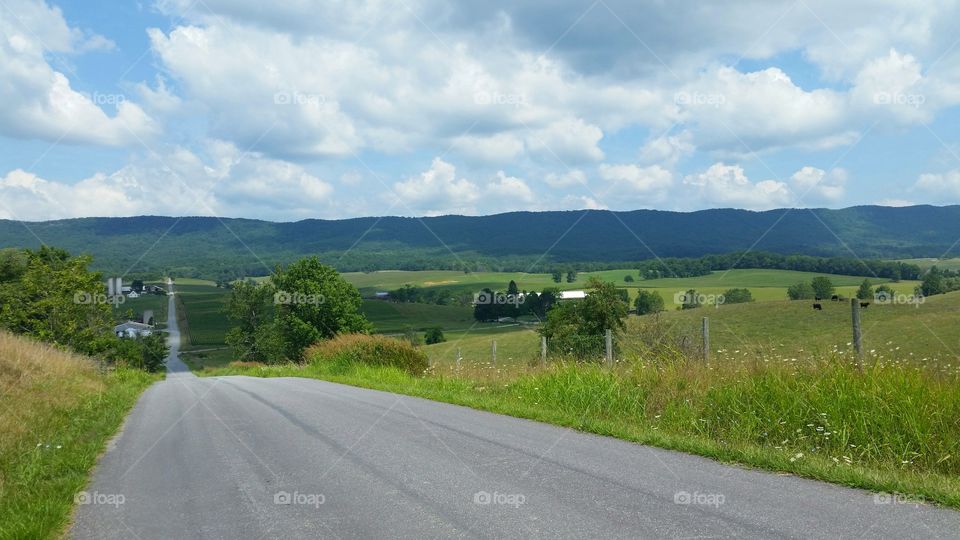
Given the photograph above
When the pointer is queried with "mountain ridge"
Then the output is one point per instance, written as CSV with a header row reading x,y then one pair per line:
x,y
208,246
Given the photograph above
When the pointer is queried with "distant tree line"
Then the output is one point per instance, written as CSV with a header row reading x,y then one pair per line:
x,y
684,268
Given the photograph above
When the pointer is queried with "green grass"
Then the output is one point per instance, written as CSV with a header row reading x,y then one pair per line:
x,y
890,429
392,317
516,345
926,333
59,413
203,308
765,285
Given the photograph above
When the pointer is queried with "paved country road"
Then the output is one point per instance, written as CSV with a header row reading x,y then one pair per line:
x,y
240,457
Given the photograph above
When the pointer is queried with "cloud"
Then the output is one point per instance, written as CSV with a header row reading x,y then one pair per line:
x,y
817,185
727,185
940,187
39,102
568,141
224,182
635,183
569,178
438,191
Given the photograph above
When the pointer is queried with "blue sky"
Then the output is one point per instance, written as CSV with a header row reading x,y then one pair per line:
x,y
369,107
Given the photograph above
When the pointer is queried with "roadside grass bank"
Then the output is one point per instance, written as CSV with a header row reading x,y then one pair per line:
x,y
894,428
59,412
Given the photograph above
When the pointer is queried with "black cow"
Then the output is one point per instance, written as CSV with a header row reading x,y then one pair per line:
x,y
818,307
864,305
835,298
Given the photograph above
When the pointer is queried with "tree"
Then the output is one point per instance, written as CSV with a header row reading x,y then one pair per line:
x,y
154,351
691,300
800,291
933,282
512,288
314,302
648,302
579,327
737,296
571,276
628,278
137,285
249,307
434,335
865,292
557,276
822,287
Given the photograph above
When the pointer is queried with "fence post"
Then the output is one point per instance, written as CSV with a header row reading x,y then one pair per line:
x,y
857,334
459,358
494,347
543,350
706,339
609,340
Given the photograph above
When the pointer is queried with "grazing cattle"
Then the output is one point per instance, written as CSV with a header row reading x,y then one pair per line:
x,y
818,306
835,298
817,298
864,305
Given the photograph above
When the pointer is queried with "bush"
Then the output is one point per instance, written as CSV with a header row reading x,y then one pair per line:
x,y
369,350
434,335
737,296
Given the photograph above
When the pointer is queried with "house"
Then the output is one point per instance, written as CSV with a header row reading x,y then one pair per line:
x,y
381,295
572,295
133,294
125,289
132,329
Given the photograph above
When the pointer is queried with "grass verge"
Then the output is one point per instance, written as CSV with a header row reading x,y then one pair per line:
x,y
894,428
58,411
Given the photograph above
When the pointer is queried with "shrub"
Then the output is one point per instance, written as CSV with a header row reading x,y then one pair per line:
x,y
369,350
434,335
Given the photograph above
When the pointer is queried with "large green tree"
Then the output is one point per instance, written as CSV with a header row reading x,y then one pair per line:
x,y
648,302
249,308
822,287
314,302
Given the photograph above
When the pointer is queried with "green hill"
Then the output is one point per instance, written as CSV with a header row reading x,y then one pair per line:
x,y
210,247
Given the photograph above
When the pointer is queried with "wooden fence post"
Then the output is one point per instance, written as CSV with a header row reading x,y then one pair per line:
x,y
543,350
609,343
857,333
494,350
706,339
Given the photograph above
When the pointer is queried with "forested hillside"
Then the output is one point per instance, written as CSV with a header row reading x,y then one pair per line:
x,y
212,247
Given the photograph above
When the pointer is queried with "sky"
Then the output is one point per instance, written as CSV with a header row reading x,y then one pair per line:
x,y
305,109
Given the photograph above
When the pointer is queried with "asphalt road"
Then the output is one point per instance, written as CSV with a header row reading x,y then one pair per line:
x,y
240,457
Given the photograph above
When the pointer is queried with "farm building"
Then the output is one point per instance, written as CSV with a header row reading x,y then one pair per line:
x,y
132,329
